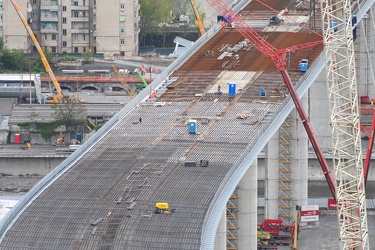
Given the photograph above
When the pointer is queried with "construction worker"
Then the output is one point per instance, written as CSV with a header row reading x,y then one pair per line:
x,y
286,11
153,94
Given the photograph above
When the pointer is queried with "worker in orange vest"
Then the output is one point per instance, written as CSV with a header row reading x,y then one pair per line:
x,y
153,94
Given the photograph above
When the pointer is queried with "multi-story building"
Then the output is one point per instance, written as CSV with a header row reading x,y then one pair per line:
x,y
108,27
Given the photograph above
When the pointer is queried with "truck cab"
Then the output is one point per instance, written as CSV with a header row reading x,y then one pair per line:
x,y
303,65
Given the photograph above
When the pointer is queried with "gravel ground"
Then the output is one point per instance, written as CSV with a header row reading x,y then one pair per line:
x,y
18,183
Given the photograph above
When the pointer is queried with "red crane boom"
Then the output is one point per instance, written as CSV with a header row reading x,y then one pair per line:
x,y
278,58
370,144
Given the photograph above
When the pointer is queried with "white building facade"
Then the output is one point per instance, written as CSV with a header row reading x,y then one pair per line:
x,y
107,27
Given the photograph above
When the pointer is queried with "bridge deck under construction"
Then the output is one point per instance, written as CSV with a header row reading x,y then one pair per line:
x,y
107,198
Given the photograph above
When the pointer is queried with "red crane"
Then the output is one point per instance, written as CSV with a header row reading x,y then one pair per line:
x,y
278,58
370,144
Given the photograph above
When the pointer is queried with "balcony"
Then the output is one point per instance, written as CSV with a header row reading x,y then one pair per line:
x,y
137,7
49,19
80,8
49,43
49,7
48,31
80,19
79,31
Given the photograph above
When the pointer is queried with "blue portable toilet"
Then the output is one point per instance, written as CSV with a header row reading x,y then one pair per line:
x,y
232,88
79,138
262,91
192,126
303,65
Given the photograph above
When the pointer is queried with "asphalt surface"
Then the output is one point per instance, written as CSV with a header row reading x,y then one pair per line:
x,y
324,235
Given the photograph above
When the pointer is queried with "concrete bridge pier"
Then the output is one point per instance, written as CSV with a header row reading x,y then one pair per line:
x,y
247,209
221,234
272,178
299,166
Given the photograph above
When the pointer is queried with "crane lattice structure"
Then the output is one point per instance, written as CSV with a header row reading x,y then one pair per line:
x,y
343,97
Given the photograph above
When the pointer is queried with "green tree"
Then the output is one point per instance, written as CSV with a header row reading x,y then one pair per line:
x,y
38,65
87,55
152,15
71,114
14,60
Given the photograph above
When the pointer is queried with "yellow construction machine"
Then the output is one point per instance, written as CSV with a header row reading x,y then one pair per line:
x,y
163,208
59,97
124,83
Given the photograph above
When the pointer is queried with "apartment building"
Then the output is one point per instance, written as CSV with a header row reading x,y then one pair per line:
x,y
108,27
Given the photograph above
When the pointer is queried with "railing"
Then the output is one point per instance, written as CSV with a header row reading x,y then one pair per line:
x,y
231,179
67,163
255,147
250,154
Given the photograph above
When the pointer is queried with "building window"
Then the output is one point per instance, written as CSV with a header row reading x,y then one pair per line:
x,y
122,6
64,19
34,2
75,49
122,30
34,13
64,8
54,37
64,43
84,37
75,3
45,37
1,4
75,37
1,16
53,49
75,13
64,31
122,41
122,18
